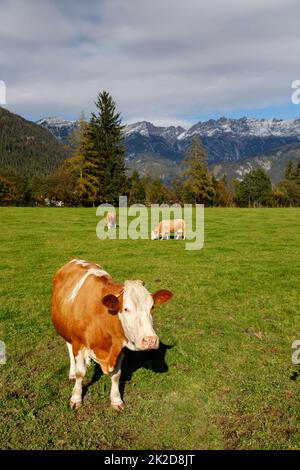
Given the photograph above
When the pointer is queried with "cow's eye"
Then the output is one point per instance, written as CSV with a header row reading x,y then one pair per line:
x,y
126,309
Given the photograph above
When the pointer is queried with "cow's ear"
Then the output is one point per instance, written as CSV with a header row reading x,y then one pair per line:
x,y
112,303
162,296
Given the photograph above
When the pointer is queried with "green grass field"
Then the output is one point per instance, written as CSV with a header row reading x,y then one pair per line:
x,y
223,378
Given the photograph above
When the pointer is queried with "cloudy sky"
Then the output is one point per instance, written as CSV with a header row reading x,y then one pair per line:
x,y
167,61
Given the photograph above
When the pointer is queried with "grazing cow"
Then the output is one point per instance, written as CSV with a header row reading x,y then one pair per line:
x,y
165,227
110,220
98,317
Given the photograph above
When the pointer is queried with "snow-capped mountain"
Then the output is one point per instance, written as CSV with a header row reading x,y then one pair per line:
x,y
144,138
248,127
147,129
235,139
59,127
225,139
245,127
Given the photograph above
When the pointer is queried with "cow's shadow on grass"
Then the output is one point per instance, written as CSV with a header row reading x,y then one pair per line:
x,y
154,360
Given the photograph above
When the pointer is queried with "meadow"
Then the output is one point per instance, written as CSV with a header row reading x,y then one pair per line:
x,y
223,377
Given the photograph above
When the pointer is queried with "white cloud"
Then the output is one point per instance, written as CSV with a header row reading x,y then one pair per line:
x,y
161,60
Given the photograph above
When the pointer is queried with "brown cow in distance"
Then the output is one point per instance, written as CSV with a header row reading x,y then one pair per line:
x,y
98,317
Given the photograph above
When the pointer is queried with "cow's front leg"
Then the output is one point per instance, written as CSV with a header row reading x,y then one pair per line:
x,y
72,362
80,371
115,397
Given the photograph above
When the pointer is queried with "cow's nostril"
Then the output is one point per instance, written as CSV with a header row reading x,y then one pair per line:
x,y
145,342
150,342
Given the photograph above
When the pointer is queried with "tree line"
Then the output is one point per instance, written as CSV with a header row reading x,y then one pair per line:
x,y
96,173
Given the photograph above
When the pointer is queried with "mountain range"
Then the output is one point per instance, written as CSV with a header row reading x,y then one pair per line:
x,y
234,146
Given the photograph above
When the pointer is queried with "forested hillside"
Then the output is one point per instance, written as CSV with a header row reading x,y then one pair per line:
x,y
26,148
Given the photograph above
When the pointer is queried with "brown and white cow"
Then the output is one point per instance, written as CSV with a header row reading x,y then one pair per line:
x,y
165,227
98,317
111,220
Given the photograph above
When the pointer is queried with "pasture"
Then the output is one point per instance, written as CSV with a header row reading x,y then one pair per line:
x,y
223,378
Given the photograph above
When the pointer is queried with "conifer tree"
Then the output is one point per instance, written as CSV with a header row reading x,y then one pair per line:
x,y
255,190
82,164
104,151
198,186
136,189
289,170
297,172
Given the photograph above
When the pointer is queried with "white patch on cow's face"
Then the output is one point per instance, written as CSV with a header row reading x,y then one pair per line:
x,y
136,315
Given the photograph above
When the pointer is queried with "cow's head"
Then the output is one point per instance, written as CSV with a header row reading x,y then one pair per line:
x,y
154,235
136,314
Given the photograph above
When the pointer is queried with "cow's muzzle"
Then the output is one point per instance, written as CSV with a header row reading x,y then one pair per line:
x,y
150,342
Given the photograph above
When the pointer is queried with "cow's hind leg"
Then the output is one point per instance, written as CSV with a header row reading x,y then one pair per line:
x,y
72,362
115,397
179,235
80,371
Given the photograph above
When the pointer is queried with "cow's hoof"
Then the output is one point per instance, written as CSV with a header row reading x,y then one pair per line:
x,y
118,407
75,405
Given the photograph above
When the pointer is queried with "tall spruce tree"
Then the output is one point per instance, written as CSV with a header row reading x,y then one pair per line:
x,y
198,186
289,170
103,150
297,172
